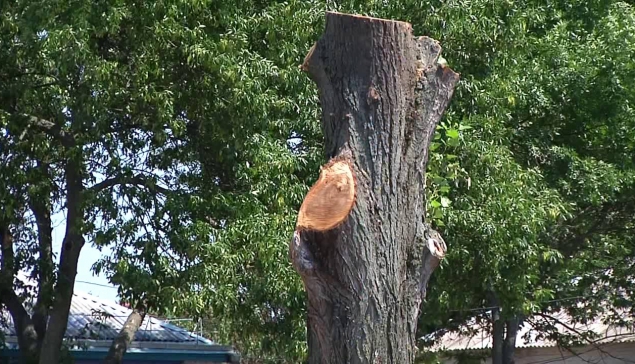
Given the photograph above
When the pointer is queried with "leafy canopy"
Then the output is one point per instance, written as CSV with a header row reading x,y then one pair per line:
x,y
196,136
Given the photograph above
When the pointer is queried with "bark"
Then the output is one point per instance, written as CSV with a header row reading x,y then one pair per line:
x,y
41,208
498,335
504,331
509,346
71,248
382,94
126,335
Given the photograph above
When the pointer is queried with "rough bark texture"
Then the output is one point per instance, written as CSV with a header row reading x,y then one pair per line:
x,y
120,343
382,94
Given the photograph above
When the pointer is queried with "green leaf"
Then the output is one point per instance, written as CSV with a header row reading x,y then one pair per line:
x,y
452,133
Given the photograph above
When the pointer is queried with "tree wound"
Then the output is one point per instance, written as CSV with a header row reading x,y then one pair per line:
x,y
330,200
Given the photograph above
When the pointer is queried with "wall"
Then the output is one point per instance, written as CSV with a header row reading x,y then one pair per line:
x,y
619,353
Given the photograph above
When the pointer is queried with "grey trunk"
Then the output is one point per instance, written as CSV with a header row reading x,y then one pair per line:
x,y
509,346
71,248
498,335
382,94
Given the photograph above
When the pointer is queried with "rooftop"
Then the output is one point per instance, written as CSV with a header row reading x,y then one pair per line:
x,y
478,337
94,322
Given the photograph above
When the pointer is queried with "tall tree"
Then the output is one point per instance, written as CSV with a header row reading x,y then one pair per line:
x,y
361,244
193,146
82,128
538,104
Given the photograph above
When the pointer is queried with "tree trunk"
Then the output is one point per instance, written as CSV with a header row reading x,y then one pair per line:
x,y
71,248
498,335
509,346
361,245
126,335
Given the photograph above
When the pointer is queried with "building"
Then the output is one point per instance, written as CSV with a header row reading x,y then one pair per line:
x,y
94,323
613,344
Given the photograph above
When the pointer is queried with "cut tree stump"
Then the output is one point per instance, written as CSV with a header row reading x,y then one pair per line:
x,y
361,245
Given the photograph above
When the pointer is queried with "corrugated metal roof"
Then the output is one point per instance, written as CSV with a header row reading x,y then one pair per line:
x,y
479,337
93,318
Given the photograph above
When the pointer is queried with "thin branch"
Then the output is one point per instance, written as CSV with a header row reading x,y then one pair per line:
x,y
592,343
27,73
42,85
124,180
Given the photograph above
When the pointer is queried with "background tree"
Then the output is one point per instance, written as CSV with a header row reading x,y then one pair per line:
x,y
186,189
546,102
82,129
208,101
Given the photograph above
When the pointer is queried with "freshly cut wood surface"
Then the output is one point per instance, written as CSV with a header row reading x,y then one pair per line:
x,y
330,200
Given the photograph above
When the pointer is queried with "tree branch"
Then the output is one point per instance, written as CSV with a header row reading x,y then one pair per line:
x,y
40,205
6,244
583,336
125,180
27,335
48,127
71,248
22,323
126,335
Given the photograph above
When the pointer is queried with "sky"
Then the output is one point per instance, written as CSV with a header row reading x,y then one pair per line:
x,y
85,281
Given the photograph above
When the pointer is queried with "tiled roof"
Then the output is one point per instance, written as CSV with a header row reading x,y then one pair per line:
x,y
479,337
97,319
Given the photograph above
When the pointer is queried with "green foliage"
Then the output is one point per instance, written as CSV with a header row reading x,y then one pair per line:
x,y
196,138
208,134
549,158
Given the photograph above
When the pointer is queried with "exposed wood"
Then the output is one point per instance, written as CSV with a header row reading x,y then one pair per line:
x,y
382,93
331,198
